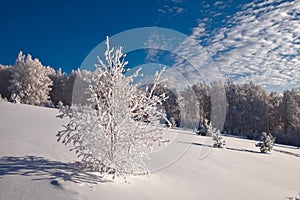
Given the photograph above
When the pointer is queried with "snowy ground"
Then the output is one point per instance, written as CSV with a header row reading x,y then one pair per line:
x,y
34,166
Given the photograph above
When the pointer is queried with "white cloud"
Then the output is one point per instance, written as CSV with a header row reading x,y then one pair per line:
x,y
218,3
171,10
260,44
160,10
191,61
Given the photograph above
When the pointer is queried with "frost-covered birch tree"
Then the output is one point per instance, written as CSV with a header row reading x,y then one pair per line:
x,y
189,106
112,133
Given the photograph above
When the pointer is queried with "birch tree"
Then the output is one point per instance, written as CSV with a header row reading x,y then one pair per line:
x,y
114,131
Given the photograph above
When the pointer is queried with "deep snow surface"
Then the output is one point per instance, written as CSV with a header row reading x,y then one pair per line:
x,y
34,166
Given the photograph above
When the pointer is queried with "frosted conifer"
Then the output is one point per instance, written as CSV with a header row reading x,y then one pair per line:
x,y
266,145
218,140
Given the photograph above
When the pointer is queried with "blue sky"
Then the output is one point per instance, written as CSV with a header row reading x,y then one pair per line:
x,y
248,40
61,33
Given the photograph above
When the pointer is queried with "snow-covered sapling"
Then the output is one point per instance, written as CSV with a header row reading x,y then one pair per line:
x,y
267,142
120,123
203,128
219,141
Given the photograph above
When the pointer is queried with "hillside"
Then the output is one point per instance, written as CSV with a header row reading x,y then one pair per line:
x,y
34,166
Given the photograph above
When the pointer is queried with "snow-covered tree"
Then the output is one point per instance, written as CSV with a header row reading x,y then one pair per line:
x,y
255,113
218,104
218,140
112,133
267,142
274,103
57,89
202,92
203,128
247,112
5,77
207,129
30,83
68,87
189,108
170,105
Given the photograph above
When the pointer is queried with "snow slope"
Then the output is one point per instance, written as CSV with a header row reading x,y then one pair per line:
x,y
34,166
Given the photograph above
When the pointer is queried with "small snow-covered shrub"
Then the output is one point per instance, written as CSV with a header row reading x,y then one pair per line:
x,y
295,198
267,142
219,141
120,122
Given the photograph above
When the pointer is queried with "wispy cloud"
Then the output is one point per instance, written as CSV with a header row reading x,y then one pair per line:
x,y
218,3
261,43
171,10
191,61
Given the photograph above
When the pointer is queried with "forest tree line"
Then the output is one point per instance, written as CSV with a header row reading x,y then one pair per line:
x,y
250,110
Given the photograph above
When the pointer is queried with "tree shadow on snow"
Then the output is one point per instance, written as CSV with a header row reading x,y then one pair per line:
x,y
243,150
44,169
287,152
229,148
205,145
195,143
